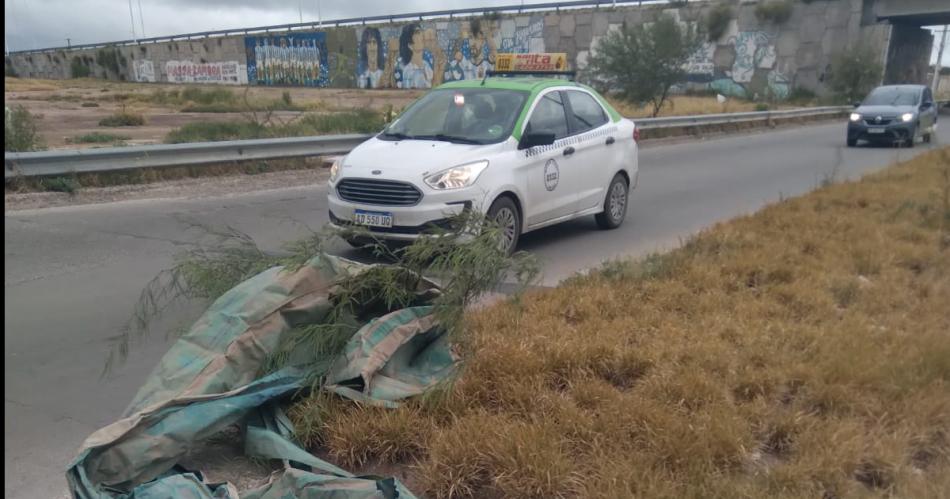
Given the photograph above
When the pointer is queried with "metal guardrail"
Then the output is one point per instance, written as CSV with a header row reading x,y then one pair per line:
x,y
107,159
555,6
728,118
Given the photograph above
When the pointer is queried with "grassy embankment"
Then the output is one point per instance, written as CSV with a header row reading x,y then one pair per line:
x,y
803,351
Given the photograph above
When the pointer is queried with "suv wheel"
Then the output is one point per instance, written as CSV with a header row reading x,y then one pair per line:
x,y
615,205
504,213
852,142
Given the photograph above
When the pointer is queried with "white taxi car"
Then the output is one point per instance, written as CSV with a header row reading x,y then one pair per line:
x,y
527,152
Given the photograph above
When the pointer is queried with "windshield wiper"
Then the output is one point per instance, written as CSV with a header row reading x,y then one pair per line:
x,y
447,138
397,135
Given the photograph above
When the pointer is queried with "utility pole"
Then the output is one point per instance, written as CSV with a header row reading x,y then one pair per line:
x,y
936,80
68,45
319,17
132,21
300,10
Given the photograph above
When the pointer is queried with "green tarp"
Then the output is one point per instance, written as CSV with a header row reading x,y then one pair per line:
x,y
211,378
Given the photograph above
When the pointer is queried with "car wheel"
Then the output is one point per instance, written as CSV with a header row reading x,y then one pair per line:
x,y
852,142
927,138
615,205
504,213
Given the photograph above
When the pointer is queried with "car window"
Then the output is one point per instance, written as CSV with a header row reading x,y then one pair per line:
x,y
479,115
549,116
893,96
585,111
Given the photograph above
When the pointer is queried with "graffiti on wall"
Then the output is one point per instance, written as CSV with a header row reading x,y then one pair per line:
x,y
227,73
744,65
295,59
424,55
144,71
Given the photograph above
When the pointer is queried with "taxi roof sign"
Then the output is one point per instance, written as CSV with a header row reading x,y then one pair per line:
x,y
532,62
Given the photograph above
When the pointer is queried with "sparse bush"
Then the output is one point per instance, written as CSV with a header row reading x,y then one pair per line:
x,y
78,69
214,131
639,64
123,118
802,95
717,22
20,131
111,59
89,104
761,106
776,12
854,74
97,138
357,121
68,185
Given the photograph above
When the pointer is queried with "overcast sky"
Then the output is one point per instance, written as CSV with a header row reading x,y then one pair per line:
x,y
47,23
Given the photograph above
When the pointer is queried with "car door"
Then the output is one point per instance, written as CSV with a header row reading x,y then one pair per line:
x,y
594,154
543,171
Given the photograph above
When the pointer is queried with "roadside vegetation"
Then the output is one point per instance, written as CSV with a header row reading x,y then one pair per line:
x,y
640,64
854,74
123,118
268,126
803,351
98,138
20,131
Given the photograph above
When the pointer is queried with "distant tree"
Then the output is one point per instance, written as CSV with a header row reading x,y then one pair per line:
x,y
640,64
855,73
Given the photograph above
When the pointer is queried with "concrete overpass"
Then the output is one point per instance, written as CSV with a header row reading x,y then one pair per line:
x,y
914,12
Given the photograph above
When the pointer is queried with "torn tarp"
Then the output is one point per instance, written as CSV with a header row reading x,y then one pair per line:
x,y
210,379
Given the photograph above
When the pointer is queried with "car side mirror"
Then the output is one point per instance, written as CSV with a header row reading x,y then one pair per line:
x,y
856,104
926,105
532,139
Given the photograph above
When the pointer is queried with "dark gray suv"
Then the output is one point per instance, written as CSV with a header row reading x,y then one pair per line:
x,y
894,114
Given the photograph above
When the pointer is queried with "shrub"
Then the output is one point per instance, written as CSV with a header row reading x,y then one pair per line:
x,y
123,118
89,104
854,74
774,12
215,131
802,95
640,64
111,59
761,107
68,185
199,95
8,68
98,138
77,69
19,131
717,22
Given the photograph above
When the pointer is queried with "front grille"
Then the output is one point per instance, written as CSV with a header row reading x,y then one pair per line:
x,y
873,122
378,192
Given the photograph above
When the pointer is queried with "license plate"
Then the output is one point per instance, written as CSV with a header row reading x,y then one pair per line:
x,y
875,130
373,218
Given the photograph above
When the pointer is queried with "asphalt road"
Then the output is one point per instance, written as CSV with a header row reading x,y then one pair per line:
x,y
74,273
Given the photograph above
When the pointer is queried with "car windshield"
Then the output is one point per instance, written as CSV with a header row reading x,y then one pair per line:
x,y
892,96
461,115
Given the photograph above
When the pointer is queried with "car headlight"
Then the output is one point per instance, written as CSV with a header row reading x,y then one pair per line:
x,y
855,117
457,176
907,117
335,169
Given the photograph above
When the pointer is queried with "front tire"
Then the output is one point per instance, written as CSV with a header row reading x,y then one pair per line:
x,y
852,142
504,212
615,205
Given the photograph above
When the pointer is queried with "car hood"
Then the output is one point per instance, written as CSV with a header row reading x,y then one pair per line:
x,y
413,158
885,111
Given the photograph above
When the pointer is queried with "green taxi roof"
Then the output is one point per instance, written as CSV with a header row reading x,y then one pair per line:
x,y
531,84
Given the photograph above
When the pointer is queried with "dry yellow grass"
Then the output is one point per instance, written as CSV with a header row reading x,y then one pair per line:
x,y
801,352
685,105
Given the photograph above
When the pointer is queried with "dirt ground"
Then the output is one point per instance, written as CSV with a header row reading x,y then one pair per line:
x,y
57,104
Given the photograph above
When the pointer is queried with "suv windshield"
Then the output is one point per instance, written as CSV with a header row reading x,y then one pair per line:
x,y
892,96
462,115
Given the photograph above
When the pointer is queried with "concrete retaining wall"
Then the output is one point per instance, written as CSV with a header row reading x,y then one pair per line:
x,y
754,58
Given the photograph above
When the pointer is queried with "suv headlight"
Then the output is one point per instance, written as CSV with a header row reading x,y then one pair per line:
x,y
855,117
907,117
457,176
